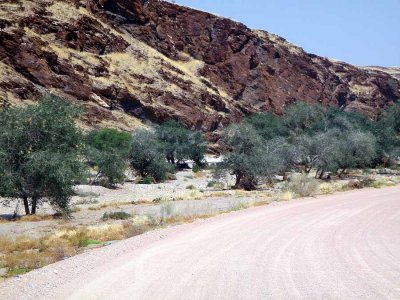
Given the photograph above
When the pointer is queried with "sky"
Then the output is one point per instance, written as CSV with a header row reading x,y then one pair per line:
x,y
361,32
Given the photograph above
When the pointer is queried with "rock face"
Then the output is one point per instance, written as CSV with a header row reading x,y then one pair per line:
x,y
152,60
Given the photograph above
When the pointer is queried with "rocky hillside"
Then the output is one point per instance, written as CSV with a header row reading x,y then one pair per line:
x,y
127,60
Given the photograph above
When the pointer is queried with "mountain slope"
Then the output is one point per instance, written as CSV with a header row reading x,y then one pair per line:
x,y
133,59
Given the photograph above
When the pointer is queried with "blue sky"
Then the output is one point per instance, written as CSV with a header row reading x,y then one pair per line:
x,y
361,32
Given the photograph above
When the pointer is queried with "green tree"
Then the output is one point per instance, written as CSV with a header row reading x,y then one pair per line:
x,y
387,133
282,156
40,153
108,150
197,148
251,158
173,139
147,157
179,143
357,149
267,125
325,151
319,150
300,117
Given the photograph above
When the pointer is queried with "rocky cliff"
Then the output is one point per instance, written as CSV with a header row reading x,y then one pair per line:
x,y
127,60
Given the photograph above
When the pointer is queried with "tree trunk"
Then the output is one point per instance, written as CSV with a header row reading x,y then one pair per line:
x,y
284,176
26,205
341,172
34,205
321,174
238,179
171,158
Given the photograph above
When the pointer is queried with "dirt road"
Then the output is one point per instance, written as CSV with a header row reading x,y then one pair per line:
x,y
344,246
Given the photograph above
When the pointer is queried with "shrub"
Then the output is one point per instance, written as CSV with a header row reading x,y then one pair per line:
x,y
212,183
359,184
197,169
148,180
132,230
302,185
118,215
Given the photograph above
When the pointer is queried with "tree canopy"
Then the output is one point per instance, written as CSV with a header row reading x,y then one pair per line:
x,y
40,153
108,150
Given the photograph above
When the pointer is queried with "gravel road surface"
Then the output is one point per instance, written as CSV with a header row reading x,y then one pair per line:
x,y
343,246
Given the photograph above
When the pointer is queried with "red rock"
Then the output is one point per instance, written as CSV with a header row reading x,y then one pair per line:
x,y
258,71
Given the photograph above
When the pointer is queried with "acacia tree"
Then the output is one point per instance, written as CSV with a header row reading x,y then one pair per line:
x,y
173,138
252,158
147,157
281,156
300,117
387,133
356,150
179,143
197,148
267,125
325,152
40,153
319,150
108,150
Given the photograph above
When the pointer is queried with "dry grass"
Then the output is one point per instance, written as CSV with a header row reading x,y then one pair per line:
x,y
21,243
200,174
219,194
302,185
286,196
110,205
328,188
76,209
187,219
23,253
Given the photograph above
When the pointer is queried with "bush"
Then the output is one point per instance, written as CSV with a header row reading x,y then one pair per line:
x,y
359,184
118,215
212,183
191,187
197,169
148,180
302,185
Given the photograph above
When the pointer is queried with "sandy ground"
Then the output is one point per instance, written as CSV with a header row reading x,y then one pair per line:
x,y
123,198
343,246
130,192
